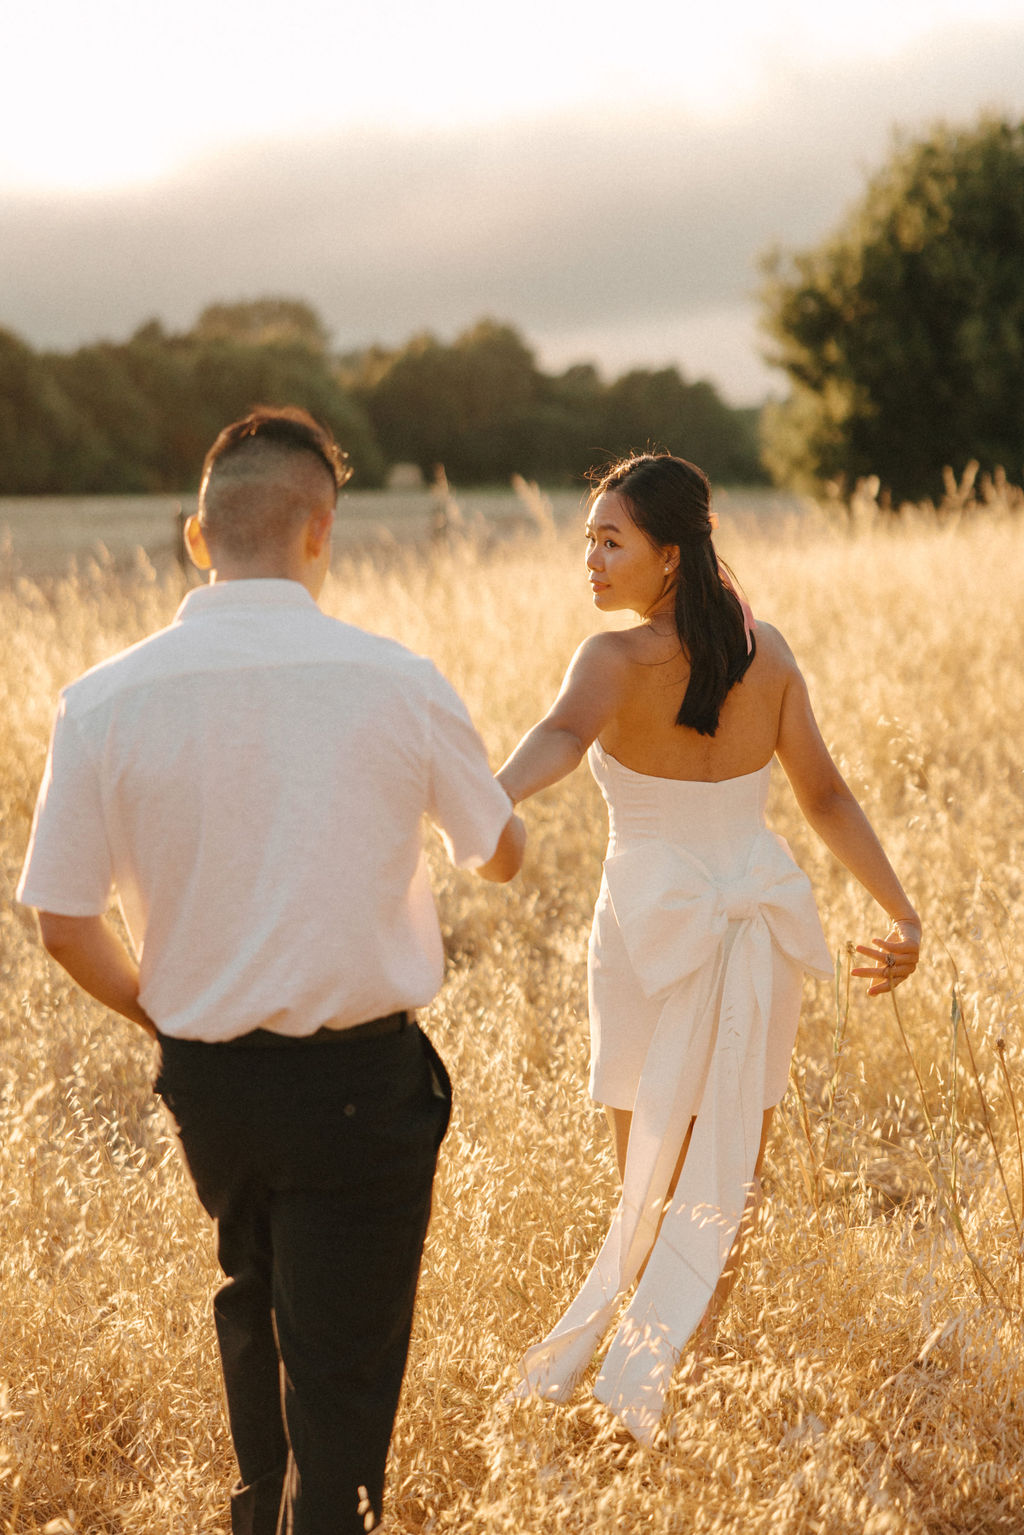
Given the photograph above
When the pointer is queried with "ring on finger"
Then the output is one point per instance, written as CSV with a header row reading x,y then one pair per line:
x,y
890,960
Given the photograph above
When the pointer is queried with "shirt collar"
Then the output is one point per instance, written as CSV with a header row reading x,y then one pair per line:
x,y
263,593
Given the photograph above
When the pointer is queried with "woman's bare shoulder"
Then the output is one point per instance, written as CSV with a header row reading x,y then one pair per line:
x,y
592,689
610,647
606,661
773,650
599,661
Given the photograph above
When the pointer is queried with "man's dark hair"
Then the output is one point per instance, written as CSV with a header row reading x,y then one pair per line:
x,y
285,426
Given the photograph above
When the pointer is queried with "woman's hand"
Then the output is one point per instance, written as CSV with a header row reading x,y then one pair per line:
x,y
896,956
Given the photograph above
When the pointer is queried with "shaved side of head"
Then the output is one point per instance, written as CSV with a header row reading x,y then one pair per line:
x,y
263,478
253,501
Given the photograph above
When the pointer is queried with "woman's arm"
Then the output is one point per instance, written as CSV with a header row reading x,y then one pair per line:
x,y
831,810
586,702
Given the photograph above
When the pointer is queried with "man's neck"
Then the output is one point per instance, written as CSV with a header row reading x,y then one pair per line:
x,y
234,571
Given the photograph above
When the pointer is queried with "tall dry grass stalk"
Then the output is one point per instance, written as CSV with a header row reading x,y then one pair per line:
x,y
869,1377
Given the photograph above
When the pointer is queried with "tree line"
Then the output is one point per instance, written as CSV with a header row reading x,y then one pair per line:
x,y
139,415
901,335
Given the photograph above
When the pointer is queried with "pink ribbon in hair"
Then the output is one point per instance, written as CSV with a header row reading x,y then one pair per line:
x,y
730,585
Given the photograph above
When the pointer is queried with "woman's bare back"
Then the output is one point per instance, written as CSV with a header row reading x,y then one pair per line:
x,y
653,674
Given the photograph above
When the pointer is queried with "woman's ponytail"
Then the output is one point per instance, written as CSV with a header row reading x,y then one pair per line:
x,y
709,619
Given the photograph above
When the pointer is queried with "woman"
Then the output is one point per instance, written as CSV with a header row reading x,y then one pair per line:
x,y
703,926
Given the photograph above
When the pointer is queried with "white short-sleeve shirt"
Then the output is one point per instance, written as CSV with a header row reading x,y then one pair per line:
x,y
250,781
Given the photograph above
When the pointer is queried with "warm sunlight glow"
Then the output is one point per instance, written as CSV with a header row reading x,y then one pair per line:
x,y
99,158
116,93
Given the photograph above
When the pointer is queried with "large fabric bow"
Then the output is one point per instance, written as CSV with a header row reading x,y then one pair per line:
x,y
705,947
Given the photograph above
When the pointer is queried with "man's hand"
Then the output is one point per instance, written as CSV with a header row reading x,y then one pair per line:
x,y
94,956
507,858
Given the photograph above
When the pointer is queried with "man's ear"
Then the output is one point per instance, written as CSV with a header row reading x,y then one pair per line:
x,y
318,531
195,543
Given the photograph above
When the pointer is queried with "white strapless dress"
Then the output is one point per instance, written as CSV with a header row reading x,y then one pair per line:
x,y
703,928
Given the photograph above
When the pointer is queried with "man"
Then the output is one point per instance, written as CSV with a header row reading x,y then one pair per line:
x,y
251,782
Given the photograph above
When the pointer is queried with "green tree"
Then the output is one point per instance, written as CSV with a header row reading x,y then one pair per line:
x,y
566,425
646,408
139,401
263,322
413,399
139,415
44,439
500,388
230,378
903,333
151,406
467,406
483,409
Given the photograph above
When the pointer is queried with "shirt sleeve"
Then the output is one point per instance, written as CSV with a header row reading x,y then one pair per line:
x,y
68,868
466,802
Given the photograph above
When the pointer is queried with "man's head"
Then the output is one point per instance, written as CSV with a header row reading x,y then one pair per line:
x,y
269,482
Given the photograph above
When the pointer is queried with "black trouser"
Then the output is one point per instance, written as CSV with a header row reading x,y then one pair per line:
x,y
317,1162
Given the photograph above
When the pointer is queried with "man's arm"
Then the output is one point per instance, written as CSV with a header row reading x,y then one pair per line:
x,y
94,956
507,858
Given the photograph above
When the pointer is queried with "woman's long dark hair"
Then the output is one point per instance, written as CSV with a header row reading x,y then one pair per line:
x,y
669,499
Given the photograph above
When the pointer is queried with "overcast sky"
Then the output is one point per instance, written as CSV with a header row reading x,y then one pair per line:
x,y
603,177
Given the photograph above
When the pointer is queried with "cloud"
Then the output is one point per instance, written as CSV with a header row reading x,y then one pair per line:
x,y
631,222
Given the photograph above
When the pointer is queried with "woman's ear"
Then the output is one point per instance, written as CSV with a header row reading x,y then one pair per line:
x,y
195,543
671,559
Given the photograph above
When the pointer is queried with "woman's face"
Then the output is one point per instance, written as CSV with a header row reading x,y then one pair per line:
x,y
624,568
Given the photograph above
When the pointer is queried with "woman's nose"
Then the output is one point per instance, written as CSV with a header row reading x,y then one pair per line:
x,y
592,558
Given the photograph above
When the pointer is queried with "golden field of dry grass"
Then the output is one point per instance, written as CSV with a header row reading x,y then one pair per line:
x,y
869,1375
